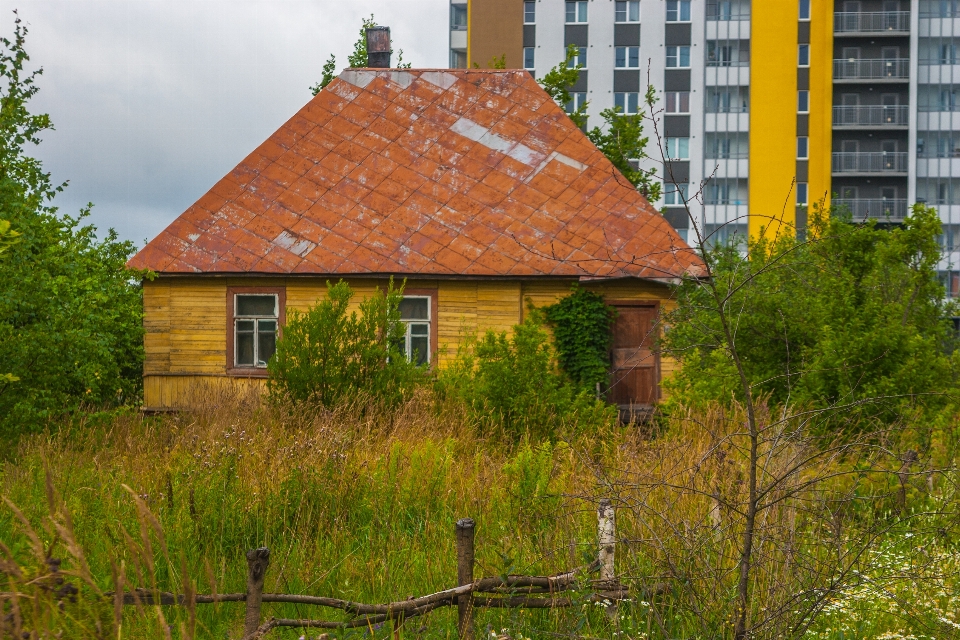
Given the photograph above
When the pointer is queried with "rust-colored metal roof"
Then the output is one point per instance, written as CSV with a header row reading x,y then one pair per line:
x,y
424,172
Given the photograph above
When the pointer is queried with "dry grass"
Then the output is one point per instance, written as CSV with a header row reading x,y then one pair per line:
x,y
359,503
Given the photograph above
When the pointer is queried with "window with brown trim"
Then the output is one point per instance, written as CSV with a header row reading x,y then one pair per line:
x,y
255,317
418,311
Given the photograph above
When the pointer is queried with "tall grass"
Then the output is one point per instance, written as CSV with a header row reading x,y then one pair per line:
x,y
360,503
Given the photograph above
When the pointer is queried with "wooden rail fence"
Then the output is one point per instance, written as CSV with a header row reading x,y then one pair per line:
x,y
514,591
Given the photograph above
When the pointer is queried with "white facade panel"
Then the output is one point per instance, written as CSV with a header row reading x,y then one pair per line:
x,y
938,74
722,213
728,30
938,121
727,168
727,76
938,167
723,122
458,39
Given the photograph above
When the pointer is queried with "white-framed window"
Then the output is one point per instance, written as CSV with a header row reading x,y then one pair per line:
x,y
803,148
801,194
803,55
529,57
529,12
458,17
804,9
678,57
627,57
803,101
580,60
256,317
627,11
678,10
577,100
628,103
677,102
675,195
576,11
415,313
677,148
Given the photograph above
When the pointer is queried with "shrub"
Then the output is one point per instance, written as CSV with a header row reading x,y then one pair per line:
x,y
512,384
855,314
582,329
329,353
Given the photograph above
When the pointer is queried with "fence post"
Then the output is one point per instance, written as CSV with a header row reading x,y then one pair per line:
x,y
607,538
465,535
607,541
257,562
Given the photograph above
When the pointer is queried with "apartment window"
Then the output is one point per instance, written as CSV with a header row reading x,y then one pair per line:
x,y
415,314
458,17
256,319
579,60
727,100
803,56
678,10
678,148
803,102
678,57
627,57
804,9
727,146
948,54
675,194
529,12
577,101
801,194
678,102
803,151
726,54
726,191
628,103
627,11
528,57
577,11
458,59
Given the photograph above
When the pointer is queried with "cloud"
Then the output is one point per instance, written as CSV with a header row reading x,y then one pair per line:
x,y
153,101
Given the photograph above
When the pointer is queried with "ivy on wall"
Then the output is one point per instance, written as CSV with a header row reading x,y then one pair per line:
x,y
583,331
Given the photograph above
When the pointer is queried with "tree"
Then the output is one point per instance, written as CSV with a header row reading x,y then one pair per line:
x,y
70,311
857,313
620,138
357,59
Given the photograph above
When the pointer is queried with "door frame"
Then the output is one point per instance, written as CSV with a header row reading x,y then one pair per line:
x,y
654,304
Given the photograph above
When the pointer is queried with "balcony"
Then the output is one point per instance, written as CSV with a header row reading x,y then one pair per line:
x,y
874,208
727,11
880,23
871,70
871,116
870,163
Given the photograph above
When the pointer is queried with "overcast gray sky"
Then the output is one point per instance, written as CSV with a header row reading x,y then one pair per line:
x,y
155,100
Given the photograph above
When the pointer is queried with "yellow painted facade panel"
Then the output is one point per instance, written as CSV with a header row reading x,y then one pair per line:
x,y
185,320
773,117
821,102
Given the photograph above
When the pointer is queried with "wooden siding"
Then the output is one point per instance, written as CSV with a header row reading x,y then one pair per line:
x,y
186,334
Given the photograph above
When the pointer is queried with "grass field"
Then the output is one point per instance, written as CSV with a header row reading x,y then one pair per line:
x,y
360,504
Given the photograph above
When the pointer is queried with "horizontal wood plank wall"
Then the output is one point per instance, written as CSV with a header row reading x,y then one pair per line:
x,y
185,320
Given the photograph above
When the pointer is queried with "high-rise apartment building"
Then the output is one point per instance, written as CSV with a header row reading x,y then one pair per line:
x,y
765,105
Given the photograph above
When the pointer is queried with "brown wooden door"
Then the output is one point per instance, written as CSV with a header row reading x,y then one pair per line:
x,y
635,376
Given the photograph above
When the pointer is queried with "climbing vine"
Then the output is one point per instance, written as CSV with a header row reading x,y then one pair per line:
x,y
582,327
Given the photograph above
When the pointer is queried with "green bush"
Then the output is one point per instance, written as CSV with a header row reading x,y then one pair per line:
x,y
71,329
511,384
855,316
328,354
582,326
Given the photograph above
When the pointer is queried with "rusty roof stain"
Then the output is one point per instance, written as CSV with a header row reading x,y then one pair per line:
x,y
424,172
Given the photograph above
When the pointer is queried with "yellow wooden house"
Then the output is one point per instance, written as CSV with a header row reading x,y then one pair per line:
x,y
473,186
